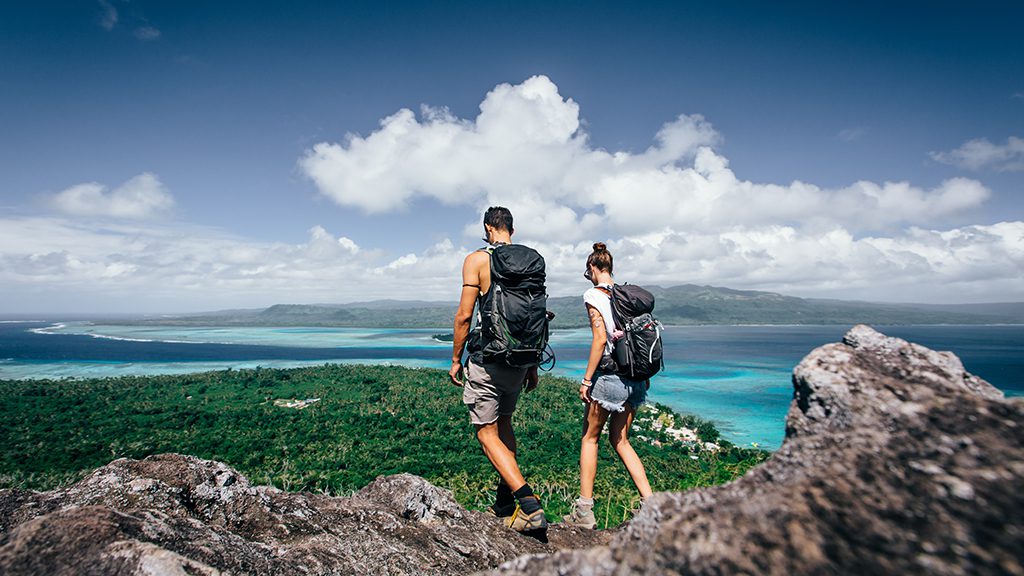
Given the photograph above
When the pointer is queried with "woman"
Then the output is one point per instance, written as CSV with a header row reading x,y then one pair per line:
x,y
605,394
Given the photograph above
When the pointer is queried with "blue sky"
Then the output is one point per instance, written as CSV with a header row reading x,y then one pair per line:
x,y
176,156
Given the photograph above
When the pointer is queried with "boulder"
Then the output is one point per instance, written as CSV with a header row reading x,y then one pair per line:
x,y
896,461
174,514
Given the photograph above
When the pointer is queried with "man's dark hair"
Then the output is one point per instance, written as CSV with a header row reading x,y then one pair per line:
x,y
499,218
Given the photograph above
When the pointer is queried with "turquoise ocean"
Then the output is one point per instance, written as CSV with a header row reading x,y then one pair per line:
x,y
737,376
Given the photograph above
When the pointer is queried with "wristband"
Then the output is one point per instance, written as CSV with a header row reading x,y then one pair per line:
x,y
587,382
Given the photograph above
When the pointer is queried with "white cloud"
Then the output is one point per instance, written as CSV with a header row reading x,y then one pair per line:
x,y
109,17
124,266
964,264
521,138
52,263
145,33
144,196
526,150
675,212
980,154
852,134
913,265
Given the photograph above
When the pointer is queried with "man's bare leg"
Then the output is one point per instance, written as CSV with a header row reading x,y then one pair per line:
x,y
499,444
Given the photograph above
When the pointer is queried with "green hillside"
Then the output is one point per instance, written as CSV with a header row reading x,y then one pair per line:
x,y
369,420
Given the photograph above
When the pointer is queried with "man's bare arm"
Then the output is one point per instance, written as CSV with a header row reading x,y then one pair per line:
x,y
464,313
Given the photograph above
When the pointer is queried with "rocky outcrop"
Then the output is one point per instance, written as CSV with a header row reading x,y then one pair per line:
x,y
896,461
173,514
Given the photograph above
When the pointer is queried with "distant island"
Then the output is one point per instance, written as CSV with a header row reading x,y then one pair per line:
x,y
684,305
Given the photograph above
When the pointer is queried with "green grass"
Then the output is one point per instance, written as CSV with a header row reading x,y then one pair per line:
x,y
371,420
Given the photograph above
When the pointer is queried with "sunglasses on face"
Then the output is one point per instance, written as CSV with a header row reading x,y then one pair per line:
x,y
588,274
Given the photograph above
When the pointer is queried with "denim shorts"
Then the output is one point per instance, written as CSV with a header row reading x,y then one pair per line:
x,y
613,392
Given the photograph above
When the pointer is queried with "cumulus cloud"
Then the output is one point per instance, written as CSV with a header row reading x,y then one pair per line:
x,y
144,196
676,211
519,141
526,150
980,154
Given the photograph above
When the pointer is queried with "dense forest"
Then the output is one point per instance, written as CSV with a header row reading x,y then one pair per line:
x,y
369,420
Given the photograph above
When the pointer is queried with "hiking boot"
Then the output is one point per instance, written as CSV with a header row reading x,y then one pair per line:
x,y
503,510
582,516
522,522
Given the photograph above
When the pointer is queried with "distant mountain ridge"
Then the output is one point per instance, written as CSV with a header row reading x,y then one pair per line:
x,y
683,305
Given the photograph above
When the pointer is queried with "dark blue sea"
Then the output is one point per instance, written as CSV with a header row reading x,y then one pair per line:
x,y
737,376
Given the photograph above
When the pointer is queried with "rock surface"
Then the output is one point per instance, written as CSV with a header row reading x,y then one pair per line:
x,y
173,514
896,461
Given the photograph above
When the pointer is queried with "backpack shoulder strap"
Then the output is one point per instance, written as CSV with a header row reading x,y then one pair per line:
x,y
615,312
611,304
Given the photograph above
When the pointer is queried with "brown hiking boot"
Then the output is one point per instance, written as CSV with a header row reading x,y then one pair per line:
x,y
522,522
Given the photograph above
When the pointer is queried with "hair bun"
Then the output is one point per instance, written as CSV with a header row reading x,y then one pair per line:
x,y
600,247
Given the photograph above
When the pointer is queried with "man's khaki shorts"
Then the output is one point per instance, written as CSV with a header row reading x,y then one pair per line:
x,y
491,390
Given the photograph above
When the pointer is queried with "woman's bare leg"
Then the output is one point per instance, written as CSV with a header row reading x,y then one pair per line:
x,y
618,435
594,417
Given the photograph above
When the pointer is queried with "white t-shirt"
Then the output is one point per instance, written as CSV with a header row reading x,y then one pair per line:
x,y
603,304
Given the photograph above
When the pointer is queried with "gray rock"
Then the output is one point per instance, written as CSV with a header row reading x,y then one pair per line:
x,y
173,514
896,461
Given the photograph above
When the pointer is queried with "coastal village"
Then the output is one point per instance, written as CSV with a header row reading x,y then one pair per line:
x,y
296,404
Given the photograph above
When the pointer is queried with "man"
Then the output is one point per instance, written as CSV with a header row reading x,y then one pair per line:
x,y
491,389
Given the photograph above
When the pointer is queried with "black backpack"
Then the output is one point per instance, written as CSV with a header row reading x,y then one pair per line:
x,y
512,320
638,354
